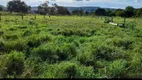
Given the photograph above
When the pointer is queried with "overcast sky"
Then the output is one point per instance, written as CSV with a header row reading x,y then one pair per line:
x,y
100,3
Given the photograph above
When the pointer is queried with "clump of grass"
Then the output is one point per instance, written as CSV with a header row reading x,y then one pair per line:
x,y
125,43
61,70
135,66
27,33
12,64
68,70
131,25
10,37
35,41
86,58
33,67
1,46
54,52
1,33
19,45
108,53
116,69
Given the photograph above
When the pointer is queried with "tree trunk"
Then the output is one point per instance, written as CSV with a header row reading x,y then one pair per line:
x,y
22,17
0,17
35,16
44,16
124,21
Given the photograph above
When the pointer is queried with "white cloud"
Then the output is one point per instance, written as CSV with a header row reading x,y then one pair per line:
x,y
137,1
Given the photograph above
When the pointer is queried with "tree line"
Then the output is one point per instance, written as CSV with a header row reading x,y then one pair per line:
x,y
44,9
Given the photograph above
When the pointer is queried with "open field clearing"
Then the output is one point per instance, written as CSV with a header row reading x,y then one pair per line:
x,y
69,47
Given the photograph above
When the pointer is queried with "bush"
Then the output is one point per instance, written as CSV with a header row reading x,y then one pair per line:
x,y
12,64
35,41
86,59
107,20
131,25
136,63
1,46
116,69
34,67
62,70
27,33
46,52
85,72
1,33
125,43
54,52
68,70
10,37
19,45
108,53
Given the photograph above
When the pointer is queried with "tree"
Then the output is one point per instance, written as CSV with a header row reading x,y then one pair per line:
x,y
17,6
61,10
29,8
44,8
120,12
138,12
1,8
129,10
109,13
53,11
100,12
77,12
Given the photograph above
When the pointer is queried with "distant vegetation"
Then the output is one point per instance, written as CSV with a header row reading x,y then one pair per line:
x,y
43,9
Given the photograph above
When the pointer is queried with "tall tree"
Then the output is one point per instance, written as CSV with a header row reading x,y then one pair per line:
x,y
138,12
17,6
120,12
129,10
100,12
1,8
44,8
77,12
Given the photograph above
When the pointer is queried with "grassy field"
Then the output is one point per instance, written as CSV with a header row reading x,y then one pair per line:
x,y
69,47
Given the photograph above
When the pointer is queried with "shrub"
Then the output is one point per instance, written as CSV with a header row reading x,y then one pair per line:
x,y
86,59
136,63
19,45
62,70
46,52
125,43
108,52
66,51
131,25
27,33
34,67
10,37
85,72
35,41
1,46
1,33
55,51
68,70
116,69
12,64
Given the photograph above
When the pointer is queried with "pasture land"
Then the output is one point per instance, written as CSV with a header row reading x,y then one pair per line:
x,y
69,47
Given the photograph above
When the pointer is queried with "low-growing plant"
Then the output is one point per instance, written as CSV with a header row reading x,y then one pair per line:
x,y
85,72
86,58
116,69
125,43
55,52
19,45
12,64
109,53
35,41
